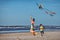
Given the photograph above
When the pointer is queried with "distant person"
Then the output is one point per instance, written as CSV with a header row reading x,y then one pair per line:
x,y
41,28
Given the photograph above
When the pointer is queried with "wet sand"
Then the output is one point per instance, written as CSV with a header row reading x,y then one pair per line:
x,y
29,36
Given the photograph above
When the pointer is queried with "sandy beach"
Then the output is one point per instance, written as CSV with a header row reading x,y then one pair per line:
x,y
29,36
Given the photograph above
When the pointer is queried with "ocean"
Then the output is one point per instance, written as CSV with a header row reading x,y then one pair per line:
x,y
16,29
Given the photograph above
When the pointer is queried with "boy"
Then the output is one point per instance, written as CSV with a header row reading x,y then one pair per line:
x,y
41,28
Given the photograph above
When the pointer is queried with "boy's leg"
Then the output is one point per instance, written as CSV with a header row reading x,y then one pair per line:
x,y
41,33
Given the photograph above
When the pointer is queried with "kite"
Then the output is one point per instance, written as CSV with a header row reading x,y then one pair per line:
x,y
47,11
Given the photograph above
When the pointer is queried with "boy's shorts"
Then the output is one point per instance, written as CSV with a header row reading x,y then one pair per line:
x,y
42,32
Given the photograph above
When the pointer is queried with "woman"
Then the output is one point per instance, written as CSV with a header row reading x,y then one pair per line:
x,y
32,26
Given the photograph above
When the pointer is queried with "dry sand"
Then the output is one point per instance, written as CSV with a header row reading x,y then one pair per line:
x,y
29,36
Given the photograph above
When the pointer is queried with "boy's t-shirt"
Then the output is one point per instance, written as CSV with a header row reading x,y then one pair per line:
x,y
41,28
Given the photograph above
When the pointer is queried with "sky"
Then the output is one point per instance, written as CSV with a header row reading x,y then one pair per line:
x,y
18,12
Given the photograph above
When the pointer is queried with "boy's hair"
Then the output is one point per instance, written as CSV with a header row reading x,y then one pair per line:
x,y
40,24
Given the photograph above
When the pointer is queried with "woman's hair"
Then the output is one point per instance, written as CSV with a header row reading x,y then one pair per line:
x,y
33,19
